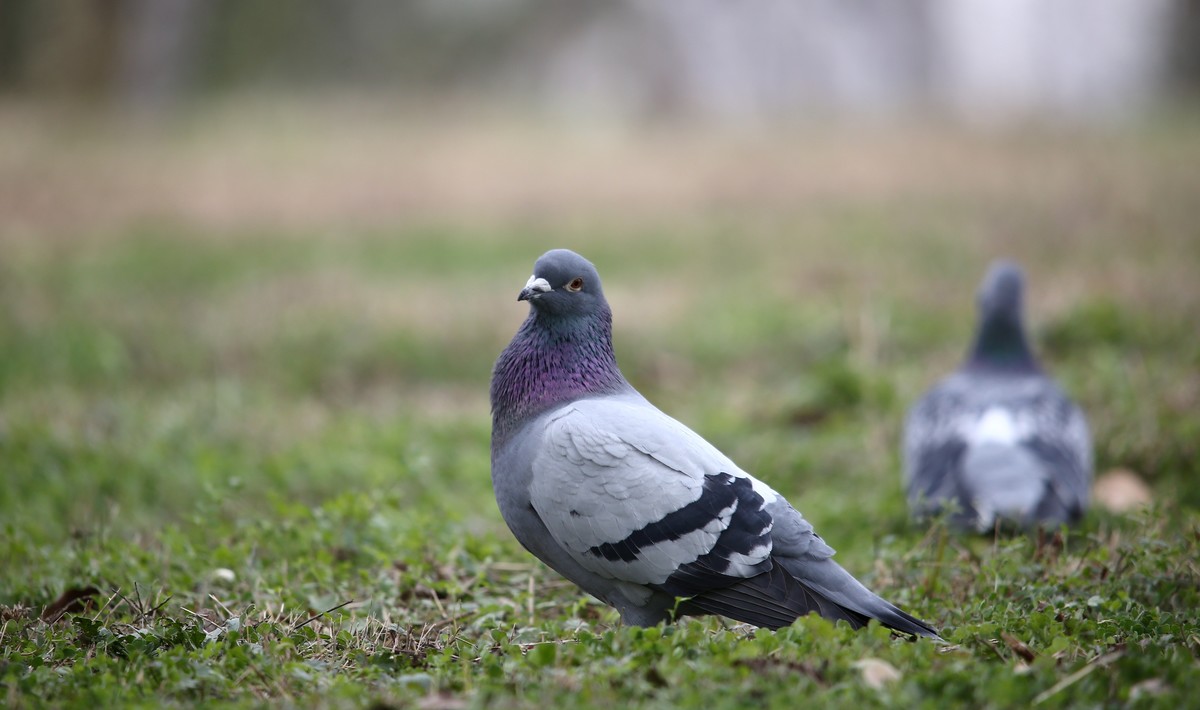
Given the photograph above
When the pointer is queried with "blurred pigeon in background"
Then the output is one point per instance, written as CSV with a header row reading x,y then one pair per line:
x,y
630,504
998,440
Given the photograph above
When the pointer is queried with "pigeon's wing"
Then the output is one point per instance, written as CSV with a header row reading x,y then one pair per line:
x,y
1060,437
934,445
636,496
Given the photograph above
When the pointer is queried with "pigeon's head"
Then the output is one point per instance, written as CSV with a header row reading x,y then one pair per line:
x,y
1000,340
564,284
1000,292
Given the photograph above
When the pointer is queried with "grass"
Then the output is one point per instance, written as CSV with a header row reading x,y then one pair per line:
x,y
255,444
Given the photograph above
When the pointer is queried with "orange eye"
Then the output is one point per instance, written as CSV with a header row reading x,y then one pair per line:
x,y
575,285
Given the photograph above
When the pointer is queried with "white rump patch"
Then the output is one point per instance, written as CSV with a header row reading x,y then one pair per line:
x,y
996,426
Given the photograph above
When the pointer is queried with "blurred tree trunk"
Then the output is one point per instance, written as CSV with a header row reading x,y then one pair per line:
x,y
158,50
139,51
1185,47
14,42
71,47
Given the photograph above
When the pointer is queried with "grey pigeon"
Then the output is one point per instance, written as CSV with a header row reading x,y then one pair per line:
x,y
997,441
630,504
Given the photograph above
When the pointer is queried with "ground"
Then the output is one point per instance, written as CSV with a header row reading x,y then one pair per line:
x,y
244,428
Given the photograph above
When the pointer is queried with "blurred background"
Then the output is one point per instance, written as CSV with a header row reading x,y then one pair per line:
x,y
276,246
989,60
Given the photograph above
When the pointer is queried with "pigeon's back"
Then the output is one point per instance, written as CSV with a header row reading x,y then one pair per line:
x,y
998,439
998,447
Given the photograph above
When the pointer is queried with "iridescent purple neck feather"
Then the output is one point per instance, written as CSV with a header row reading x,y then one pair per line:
x,y
549,362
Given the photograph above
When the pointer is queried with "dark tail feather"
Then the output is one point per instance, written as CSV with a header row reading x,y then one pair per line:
x,y
827,580
793,588
901,621
772,600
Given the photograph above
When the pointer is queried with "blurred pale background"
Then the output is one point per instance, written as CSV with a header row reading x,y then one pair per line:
x,y
378,111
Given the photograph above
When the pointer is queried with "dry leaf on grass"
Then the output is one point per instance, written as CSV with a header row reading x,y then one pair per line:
x,y
71,601
1120,491
441,701
877,673
1148,687
1018,647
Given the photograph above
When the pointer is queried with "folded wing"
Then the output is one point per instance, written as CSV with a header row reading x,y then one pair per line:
x,y
634,495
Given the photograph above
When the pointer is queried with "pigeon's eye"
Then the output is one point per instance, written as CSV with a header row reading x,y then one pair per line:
x,y
575,285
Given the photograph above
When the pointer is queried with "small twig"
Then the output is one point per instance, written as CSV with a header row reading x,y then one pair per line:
x,y
529,603
136,607
318,616
189,611
1018,647
450,620
116,593
993,645
931,578
224,608
924,541
156,609
1077,676
437,601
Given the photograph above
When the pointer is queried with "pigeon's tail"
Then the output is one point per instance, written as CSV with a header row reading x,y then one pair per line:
x,y
838,588
790,589
1003,482
1056,509
1018,488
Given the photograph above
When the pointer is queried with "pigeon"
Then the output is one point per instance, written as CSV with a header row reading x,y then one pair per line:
x,y
631,505
997,442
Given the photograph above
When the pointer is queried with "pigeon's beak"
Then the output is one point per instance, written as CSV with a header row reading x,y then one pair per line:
x,y
534,287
